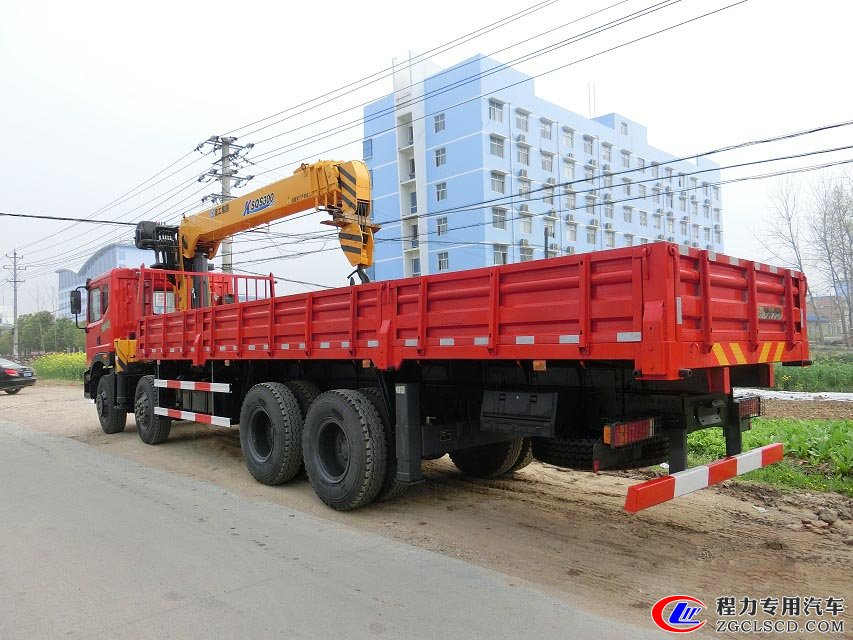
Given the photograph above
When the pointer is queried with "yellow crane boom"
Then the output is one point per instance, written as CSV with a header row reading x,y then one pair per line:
x,y
340,188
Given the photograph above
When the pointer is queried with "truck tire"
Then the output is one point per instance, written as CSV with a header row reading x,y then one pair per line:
x,y
525,457
577,453
488,460
152,429
570,453
391,487
112,420
271,433
305,391
344,449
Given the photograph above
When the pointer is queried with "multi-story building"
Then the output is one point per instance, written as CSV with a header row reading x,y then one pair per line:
x,y
106,258
470,168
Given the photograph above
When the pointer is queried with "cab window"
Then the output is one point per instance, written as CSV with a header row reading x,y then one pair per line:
x,y
94,305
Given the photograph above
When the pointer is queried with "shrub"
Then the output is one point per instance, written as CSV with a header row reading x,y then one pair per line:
x,y
61,366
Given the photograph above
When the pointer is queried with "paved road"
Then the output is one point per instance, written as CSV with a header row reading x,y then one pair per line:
x,y
95,546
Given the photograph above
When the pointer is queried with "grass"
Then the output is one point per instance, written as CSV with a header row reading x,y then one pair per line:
x,y
830,372
61,366
818,453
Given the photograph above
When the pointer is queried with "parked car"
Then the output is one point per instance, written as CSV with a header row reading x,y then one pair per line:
x,y
14,376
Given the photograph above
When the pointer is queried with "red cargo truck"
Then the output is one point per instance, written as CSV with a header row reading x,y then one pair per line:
x,y
592,361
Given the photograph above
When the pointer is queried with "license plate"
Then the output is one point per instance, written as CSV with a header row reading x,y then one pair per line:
x,y
28,374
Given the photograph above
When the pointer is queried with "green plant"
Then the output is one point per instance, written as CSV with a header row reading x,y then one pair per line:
x,y
61,366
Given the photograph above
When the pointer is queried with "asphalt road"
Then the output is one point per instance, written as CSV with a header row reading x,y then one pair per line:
x,y
96,546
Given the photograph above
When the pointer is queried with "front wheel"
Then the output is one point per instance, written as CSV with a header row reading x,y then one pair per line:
x,y
113,419
152,429
12,392
345,450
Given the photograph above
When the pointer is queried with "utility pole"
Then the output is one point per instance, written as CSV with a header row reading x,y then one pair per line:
x,y
15,282
225,196
229,160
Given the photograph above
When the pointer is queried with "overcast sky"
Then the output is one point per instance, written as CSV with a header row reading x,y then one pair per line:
x,y
98,96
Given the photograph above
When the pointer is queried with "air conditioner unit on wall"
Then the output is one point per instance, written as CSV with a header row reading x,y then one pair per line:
x,y
521,137
551,181
522,173
554,246
570,217
523,242
524,208
570,249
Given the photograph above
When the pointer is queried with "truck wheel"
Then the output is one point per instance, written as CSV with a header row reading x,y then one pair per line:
x,y
391,487
344,448
12,392
570,453
525,457
152,429
488,460
271,433
305,391
112,420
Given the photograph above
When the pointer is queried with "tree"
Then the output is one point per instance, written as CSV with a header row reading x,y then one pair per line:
x,y
783,236
831,234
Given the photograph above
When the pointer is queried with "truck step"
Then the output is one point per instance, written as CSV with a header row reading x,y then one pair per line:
x,y
648,494
204,418
186,385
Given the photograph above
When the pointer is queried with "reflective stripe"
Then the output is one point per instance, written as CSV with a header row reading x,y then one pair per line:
x,y
187,385
679,318
736,351
647,494
373,343
525,340
446,342
284,346
345,344
411,342
481,341
570,339
325,345
629,336
204,418
717,350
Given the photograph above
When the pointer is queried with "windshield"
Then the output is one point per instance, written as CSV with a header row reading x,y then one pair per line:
x,y
8,363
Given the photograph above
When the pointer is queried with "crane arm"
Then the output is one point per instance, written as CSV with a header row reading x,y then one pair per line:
x,y
342,189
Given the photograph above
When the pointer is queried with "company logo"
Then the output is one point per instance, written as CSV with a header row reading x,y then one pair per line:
x,y
681,617
259,204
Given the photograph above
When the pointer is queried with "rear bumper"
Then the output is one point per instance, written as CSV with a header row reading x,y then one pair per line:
x,y
648,494
17,383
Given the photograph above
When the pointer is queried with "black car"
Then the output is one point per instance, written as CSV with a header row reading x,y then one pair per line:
x,y
14,376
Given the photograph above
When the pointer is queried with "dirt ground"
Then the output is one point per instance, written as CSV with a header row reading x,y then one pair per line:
x,y
563,530
824,410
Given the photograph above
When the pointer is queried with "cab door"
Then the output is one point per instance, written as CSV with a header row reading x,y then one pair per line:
x,y
99,334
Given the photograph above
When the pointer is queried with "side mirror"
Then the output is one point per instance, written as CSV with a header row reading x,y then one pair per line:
x,y
76,302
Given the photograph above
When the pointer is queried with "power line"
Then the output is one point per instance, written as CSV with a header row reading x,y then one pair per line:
x,y
539,75
622,200
64,218
439,73
464,81
345,89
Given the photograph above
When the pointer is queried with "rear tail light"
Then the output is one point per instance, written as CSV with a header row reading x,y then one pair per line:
x,y
749,406
619,434
10,372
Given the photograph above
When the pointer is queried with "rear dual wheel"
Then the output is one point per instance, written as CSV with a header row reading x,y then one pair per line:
x,y
271,433
494,459
345,449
